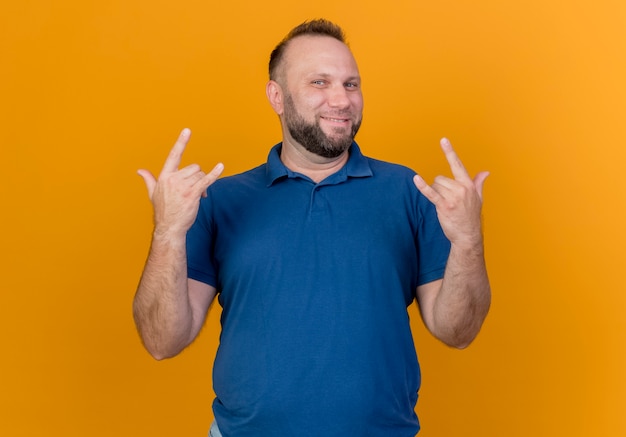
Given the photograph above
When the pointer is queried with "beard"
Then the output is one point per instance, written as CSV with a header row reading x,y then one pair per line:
x,y
311,136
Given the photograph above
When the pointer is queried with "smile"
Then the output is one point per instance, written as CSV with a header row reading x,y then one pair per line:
x,y
336,120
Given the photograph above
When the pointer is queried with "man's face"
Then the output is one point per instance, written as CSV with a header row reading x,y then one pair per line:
x,y
312,137
323,103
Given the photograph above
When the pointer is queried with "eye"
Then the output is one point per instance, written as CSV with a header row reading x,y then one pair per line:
x,y
351,85
319,82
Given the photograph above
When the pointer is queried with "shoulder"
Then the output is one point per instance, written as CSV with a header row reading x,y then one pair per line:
x,y
389,168
234,191
397,182
256,176
386,172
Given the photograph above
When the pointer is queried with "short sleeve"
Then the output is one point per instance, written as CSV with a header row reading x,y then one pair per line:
x,y
433,247
200,260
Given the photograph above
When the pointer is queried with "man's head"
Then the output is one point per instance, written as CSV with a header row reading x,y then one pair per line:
x,y
315,88
319,27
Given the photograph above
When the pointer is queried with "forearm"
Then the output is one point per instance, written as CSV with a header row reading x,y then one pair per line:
x,y
464,299
161,307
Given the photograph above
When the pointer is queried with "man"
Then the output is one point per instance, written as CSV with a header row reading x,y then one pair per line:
x,y
315,257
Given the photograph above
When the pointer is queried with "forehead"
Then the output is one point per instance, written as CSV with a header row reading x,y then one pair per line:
x,y
309,54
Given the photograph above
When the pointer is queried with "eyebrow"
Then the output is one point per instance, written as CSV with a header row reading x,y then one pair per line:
x,y
328,75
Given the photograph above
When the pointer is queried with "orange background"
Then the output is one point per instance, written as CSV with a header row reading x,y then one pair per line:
x,y
533,91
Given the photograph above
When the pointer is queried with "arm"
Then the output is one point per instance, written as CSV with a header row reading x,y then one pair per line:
x,y
455,307
168,308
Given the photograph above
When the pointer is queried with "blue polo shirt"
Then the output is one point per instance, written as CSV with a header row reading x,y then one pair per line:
x,y
314,280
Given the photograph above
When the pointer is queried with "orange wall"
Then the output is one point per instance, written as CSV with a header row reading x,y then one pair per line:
x,y
533,91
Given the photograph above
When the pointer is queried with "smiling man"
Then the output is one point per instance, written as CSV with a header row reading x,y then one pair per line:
x,y
315,257
316,89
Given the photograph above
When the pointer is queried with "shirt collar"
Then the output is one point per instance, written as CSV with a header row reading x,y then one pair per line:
x,y
357,166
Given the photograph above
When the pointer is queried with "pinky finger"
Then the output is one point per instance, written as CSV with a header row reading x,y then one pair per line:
x,y
209,178
428,191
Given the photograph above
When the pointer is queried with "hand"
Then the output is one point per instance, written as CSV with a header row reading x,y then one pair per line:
x,y
176,194
458,201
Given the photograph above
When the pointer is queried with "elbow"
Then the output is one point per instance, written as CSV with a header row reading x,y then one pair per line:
x,y
158,356
161,353
460,340
460,336
463,335
159,348
455,337
160,344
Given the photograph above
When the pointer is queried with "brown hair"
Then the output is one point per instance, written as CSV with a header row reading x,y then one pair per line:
x,y
320,27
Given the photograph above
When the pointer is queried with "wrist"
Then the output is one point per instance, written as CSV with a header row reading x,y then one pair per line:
x,y
469,246
168,234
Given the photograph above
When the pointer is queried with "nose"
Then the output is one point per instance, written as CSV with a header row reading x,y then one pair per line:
x,y
338,97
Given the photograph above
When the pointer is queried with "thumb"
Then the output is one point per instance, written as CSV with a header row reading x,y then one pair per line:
x,y
149,179
479,181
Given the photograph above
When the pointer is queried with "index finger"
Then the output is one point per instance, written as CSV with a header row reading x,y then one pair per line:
x,y
173,159
457,167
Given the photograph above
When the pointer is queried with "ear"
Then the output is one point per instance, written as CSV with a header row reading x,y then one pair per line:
x,y
275,96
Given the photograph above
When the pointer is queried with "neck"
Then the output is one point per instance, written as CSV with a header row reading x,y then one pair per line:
x,y
316,167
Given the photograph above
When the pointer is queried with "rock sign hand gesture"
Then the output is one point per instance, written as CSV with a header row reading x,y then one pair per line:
x,y
175,195
458,201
